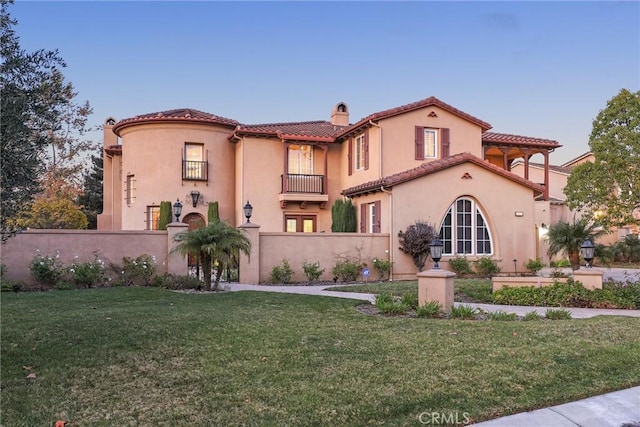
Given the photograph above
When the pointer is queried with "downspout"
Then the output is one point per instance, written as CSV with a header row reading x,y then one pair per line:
x,y
241,140
391,230
379,148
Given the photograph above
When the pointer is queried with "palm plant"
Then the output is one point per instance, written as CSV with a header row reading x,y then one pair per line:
x,y
566,238
216,246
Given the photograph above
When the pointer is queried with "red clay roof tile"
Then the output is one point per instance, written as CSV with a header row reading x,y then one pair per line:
x,y
508,139
427,102
319,130
433,167
180,115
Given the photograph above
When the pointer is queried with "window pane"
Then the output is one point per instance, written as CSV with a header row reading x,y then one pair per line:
x,y
359,160
292,225
430,143
307,225
193,152
153,216
300,159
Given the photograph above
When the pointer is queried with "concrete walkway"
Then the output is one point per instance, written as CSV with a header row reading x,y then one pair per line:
x,y
576,313
616,409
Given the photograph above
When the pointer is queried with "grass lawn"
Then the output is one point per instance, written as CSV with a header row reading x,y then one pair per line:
x,y
466,290
141,356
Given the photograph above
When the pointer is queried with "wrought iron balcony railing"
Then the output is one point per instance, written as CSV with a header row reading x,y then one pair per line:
x,y
310,184
195,171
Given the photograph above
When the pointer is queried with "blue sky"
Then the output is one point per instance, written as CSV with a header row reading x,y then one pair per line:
x,y
540,69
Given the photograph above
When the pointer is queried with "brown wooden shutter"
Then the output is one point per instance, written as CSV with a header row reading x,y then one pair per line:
x,y
366,149
444,137
419,143
363,218
350,156
378,211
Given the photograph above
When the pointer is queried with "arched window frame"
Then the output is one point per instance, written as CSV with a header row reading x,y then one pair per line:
x,y
474,230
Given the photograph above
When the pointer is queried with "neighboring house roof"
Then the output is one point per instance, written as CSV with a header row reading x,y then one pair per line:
x,y
571,163
427,102
114,150
320,131
508,139
181,115
559,169
433,167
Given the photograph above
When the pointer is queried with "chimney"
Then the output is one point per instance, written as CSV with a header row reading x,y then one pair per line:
x,y
340,115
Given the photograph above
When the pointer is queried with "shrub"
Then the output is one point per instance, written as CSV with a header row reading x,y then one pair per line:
x,y
135,271
281,273
165,216
388,304
46,270
570,294
347,270
486,266
9,285
415,241
410,299
532,315
534,265
312,270
558,314
178,282
627,290
463,312
460,266
343,216
88,274
430,309
501,315
382,266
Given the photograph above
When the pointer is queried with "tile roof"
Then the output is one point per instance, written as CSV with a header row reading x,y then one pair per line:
x,y
427,102
319,130
437,166
180,115
508,139
114,150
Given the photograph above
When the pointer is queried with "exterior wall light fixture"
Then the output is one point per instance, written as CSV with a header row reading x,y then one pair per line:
x,y
177,209
248,210
195,196
435,249
587,250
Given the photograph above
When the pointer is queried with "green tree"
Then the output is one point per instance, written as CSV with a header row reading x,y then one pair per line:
x,y
343,216
166,215
54,214
91,198
415,241
566,238
213,213
39,116
217,245
609,188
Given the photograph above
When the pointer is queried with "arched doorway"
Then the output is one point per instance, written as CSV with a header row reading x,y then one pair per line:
x,y
194,221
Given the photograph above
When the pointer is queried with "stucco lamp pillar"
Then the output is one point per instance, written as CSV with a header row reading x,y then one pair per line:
x,y
250,265
590,278
436,284
176,263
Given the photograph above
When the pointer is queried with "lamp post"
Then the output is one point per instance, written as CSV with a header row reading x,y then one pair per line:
x,y
587,250
195,196
435,249
248,210
177,209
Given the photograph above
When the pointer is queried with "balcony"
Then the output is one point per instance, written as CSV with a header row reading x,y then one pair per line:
x,y
195,171
303,189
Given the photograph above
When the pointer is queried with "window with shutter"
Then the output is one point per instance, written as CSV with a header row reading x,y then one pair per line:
x,y
350,156
444,136
363,218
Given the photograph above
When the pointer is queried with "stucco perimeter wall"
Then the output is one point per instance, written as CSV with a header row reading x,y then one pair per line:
x,y
112,246
325,248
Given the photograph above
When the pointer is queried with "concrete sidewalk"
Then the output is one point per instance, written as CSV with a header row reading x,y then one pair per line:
x,y
616,409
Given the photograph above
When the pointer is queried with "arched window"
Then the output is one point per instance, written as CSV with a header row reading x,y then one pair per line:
x,y
464,231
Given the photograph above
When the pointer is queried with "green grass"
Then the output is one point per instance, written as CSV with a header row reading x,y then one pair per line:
x,y
151,357
466,290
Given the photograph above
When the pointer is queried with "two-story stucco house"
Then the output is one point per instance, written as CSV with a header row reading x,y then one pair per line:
x,y
422,161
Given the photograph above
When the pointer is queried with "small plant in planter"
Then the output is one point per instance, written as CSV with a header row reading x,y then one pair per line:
x,y
486,267
429,310
460,266
534,266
